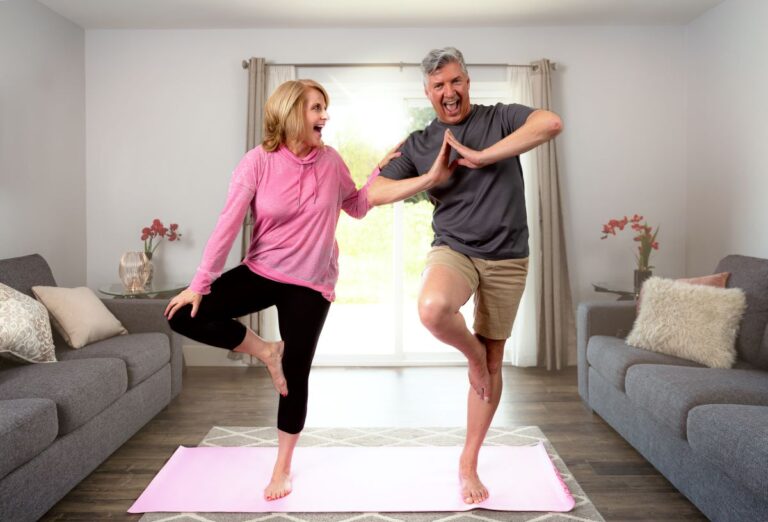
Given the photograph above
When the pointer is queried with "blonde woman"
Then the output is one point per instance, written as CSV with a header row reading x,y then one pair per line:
x,y
296,188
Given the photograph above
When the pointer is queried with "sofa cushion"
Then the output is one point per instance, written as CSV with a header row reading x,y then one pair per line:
x,y
693,322
25,331
611,357
27,427
80,389
78,314
734,438
751,275
670,392
143,353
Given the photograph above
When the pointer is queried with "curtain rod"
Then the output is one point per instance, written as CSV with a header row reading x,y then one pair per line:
x,y
401,65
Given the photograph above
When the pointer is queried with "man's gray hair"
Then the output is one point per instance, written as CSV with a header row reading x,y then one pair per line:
x,y
437,58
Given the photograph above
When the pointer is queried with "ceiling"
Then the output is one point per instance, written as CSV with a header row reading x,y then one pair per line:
x,y
220,14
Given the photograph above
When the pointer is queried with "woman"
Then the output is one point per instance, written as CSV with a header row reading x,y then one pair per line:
x,y
296,188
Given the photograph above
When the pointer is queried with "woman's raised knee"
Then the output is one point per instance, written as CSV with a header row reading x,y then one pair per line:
x,y
181,320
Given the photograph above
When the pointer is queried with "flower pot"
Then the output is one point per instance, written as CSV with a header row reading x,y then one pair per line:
x,y
134,271
640,277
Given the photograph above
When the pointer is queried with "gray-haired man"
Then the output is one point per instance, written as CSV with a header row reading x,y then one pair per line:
x,y
481,234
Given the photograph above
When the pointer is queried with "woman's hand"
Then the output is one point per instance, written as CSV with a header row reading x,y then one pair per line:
x,y
469,157
389,156
186,297
441,169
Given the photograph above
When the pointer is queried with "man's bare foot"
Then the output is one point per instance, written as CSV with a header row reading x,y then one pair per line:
x,y
479,377
472,490
278,487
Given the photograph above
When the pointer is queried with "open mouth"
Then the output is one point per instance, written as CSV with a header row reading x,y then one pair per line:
x,y
318,129
452,106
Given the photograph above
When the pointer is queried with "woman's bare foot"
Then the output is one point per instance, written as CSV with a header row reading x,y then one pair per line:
x,y
274,362
472,490
271,354
278,487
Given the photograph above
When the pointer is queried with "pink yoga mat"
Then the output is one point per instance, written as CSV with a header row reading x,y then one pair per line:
x,y
353,479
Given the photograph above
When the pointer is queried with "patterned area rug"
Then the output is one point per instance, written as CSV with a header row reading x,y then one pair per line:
x,y
239,436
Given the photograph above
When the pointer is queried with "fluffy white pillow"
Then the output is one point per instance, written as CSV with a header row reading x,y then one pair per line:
x,y
693,322
78,314
25,331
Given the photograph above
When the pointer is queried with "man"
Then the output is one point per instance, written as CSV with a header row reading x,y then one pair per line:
x,y
481,234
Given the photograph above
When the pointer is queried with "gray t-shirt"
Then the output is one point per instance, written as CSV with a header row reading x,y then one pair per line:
x,y
478,212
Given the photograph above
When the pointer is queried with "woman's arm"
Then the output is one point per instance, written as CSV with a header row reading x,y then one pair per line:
x,y
384,190
356,202
240,194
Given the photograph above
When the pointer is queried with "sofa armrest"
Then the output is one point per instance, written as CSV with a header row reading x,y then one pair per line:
x,y
145,316
613,318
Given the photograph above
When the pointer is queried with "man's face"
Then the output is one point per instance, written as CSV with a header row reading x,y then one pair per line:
x,y
448,90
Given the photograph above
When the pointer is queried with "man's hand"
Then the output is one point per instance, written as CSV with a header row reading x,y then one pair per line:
x,y
389,156
471,158
441,169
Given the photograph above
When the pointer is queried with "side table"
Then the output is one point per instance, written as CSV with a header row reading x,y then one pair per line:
x,y
154,291
624,295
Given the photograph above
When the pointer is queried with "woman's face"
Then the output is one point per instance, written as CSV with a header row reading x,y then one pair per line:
x,y
315,116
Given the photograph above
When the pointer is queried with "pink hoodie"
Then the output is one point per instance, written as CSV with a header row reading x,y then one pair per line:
x,y
296,203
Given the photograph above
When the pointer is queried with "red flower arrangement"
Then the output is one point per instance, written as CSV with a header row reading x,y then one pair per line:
x,y
646,236
158,230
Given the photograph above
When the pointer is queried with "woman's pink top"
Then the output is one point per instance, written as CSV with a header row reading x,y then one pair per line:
x,y
296,204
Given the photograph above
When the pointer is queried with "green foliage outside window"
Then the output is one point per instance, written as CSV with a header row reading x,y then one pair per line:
x,y
366,262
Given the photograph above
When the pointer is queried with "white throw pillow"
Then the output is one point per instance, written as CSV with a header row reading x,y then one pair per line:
x,y
25,331
693,322
78,314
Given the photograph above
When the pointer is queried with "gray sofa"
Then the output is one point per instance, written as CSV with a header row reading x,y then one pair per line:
x,y
59,421
704,429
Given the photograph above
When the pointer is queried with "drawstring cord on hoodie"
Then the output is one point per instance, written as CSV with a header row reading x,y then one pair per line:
x,y
308,161
314,178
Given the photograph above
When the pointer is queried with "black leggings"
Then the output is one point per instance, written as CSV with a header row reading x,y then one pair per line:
x,y
301,315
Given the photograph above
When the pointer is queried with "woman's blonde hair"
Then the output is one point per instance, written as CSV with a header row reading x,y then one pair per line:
x,y
284,113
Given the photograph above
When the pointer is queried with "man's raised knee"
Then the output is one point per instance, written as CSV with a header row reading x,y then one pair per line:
x,y
434,311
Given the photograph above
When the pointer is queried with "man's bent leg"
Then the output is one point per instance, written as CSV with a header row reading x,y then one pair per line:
x,y
479,417
444,290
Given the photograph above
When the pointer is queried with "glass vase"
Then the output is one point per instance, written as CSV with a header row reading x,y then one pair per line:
x,y
640,277
134,271
150,267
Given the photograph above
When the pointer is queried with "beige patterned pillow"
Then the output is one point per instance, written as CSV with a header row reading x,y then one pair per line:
x,y
693,322
78,314
25,331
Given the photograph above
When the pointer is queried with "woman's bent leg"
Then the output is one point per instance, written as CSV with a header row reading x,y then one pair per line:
x,y
236,293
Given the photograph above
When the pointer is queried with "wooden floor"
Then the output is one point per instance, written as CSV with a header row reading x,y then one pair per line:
x,y
618,480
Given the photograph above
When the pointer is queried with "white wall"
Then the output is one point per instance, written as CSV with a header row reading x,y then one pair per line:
x,y
166,122
727,134
42,138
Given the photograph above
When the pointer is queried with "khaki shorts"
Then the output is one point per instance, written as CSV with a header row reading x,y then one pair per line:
x,y
497,285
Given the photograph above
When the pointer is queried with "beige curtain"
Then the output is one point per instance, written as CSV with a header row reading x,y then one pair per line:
x,y
522,346
263,79
557,333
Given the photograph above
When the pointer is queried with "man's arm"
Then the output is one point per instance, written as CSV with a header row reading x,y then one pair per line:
x,y
384,190
540,126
